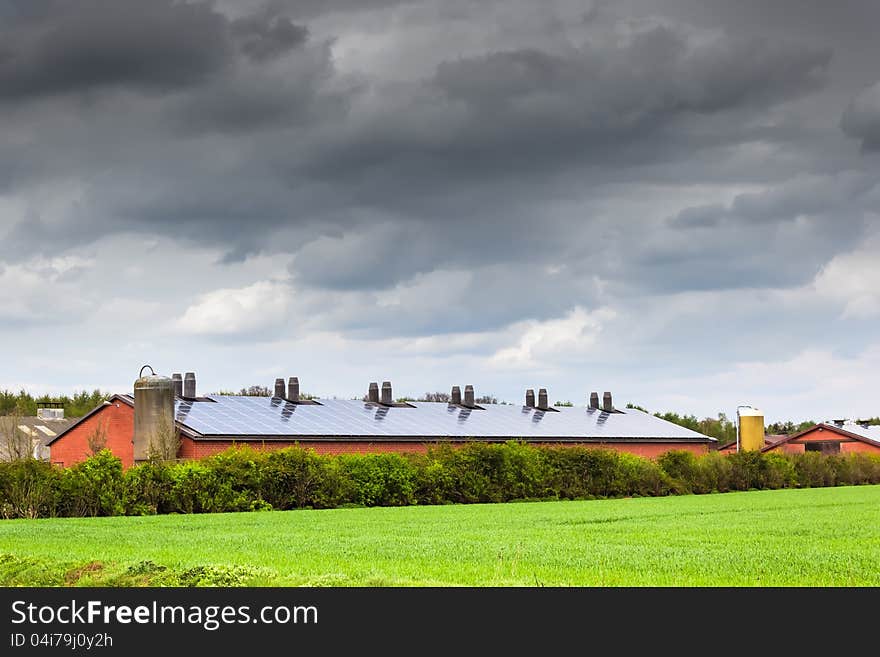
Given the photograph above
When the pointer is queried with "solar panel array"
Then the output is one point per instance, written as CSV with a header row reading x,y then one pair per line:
x,y
272,417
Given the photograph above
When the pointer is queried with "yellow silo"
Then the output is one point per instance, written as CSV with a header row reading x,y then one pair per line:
x,y
751,428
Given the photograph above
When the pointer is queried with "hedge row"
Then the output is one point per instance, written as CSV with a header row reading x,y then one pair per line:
x,y
242,479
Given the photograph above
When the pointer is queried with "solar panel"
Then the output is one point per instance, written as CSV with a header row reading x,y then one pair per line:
x,y
264,416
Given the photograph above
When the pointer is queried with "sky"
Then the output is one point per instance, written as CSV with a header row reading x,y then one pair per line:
x,y
677,201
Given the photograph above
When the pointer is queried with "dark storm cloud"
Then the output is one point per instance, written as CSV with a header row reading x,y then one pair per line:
x,y
78,46
528,110
260,144
861,120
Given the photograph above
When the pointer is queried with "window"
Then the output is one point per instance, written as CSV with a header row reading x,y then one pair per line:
x,y
823,446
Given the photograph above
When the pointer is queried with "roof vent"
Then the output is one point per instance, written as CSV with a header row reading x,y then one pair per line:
x,y
386,393
607,406
594,400
177,384
279,388
455,398
373,394
469,397
189,385
293,389
543,404
530,398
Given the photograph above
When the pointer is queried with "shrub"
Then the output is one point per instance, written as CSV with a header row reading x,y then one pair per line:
x,y
29,489
713,474
94,487
377,479
296,478
681,467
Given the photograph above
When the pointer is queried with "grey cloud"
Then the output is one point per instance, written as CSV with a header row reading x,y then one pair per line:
x,y
861,119
529,110
265,36
76,47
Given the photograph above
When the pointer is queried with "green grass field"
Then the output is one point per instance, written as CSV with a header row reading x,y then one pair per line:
x,y
816,537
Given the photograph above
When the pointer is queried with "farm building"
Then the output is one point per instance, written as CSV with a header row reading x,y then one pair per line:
x,y
29,435
127,424
838,437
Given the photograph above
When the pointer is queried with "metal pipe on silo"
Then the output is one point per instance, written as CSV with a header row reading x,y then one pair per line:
x,y
153,412
177,384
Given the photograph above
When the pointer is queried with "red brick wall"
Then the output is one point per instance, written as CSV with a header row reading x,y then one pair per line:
x,y
118,421
194,449
858,446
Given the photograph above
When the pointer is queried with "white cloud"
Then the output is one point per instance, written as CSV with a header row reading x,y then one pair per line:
x,y
544,343
853,279
238,311
816,384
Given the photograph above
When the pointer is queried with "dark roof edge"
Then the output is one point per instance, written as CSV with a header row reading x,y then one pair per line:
x,y
437,439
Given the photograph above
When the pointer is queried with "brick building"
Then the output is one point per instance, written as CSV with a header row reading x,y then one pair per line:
x,y
208,425
831,438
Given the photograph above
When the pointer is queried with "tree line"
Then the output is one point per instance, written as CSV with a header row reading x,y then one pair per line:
x,y
23,403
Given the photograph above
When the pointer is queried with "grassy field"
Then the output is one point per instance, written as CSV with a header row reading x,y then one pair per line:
x,y
828,536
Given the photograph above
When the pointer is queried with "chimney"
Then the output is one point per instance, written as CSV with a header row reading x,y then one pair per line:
x,y
189,385
469,396
530,398
177,384
542,399
279,388
456,395
293,389
594,400
386,393
373,394
607,406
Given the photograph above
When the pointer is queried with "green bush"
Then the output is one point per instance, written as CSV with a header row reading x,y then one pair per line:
x,y
582,472
681,467
29,489
94,487
296,478
243,479
377,479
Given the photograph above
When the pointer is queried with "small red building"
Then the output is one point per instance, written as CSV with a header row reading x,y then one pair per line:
x,y
831,438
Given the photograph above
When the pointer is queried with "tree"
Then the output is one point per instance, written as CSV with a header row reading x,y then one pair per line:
x,y
563,403
16,444
165,442
486,399
97,439
443,397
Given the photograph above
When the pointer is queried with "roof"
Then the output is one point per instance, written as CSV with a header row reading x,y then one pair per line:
x,y
869,434
267,418
41,431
